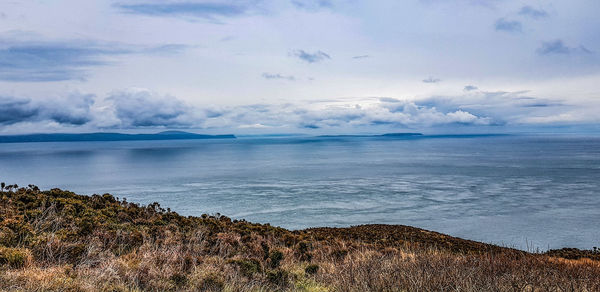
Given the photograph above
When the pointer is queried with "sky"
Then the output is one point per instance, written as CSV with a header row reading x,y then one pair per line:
x,y
292,66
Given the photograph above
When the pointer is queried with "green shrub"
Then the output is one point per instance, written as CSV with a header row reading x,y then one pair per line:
x,y
212,282
14,231
311,269
278,277
14,257
179,279
265,248
303,250
275,256
339,254
247,267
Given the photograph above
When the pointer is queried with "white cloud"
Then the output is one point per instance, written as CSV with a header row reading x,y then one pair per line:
x,y
58,51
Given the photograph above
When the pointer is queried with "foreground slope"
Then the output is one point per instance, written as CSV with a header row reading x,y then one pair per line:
x,y
58,240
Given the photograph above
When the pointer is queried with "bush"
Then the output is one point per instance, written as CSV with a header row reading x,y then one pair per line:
x,y
212,282
14,257
247,267
179,279
311,269
278,277
303,250
275,256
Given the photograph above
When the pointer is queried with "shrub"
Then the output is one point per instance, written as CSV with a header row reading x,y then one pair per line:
x,y
303,248
339,254
247,267
14,257
265,248
311,269
275,257
278,277
212,282
69,242
179,279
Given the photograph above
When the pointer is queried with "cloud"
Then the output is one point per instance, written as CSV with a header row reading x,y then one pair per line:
x,y
554,47
323,115
501,107
312,5
568,117
278,76
315,57
142,108
227,38
46,61
431,80
168,49
74,109
532,12
15,110
50,61
361,57
559,47
206,10
508,25
470,88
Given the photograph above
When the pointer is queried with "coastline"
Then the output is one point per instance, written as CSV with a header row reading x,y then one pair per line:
x,y
58,239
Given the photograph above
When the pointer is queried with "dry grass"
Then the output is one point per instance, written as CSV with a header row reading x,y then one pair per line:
x,y
60,241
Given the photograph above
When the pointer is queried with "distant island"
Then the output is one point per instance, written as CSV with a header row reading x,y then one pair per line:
x,y
377,135
62,137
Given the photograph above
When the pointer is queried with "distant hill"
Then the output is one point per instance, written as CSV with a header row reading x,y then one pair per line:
x,y
61,137
378,135
401,134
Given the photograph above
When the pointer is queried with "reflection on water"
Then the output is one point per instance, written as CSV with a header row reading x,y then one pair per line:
x,y
499,189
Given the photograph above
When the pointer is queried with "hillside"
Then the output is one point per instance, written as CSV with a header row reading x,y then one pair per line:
x,y
59,241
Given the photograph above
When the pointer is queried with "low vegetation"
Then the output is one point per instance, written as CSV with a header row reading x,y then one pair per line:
x,y
59,241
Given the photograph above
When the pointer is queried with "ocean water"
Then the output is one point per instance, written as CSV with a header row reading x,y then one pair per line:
x,y
518,191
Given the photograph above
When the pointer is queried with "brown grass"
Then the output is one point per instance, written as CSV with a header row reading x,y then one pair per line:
x,y
59,241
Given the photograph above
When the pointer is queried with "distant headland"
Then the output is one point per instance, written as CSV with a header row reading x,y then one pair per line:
x,y
378,135
62,137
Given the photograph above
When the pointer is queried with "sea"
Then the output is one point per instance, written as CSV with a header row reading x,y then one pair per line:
x,y
532,192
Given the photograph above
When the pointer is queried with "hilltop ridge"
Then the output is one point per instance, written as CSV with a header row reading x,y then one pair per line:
x,y
58,240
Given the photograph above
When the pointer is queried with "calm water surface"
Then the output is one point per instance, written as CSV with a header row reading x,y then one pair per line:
x,y
517,191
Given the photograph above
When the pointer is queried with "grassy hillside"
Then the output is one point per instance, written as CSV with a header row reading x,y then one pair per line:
x,y
58,240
